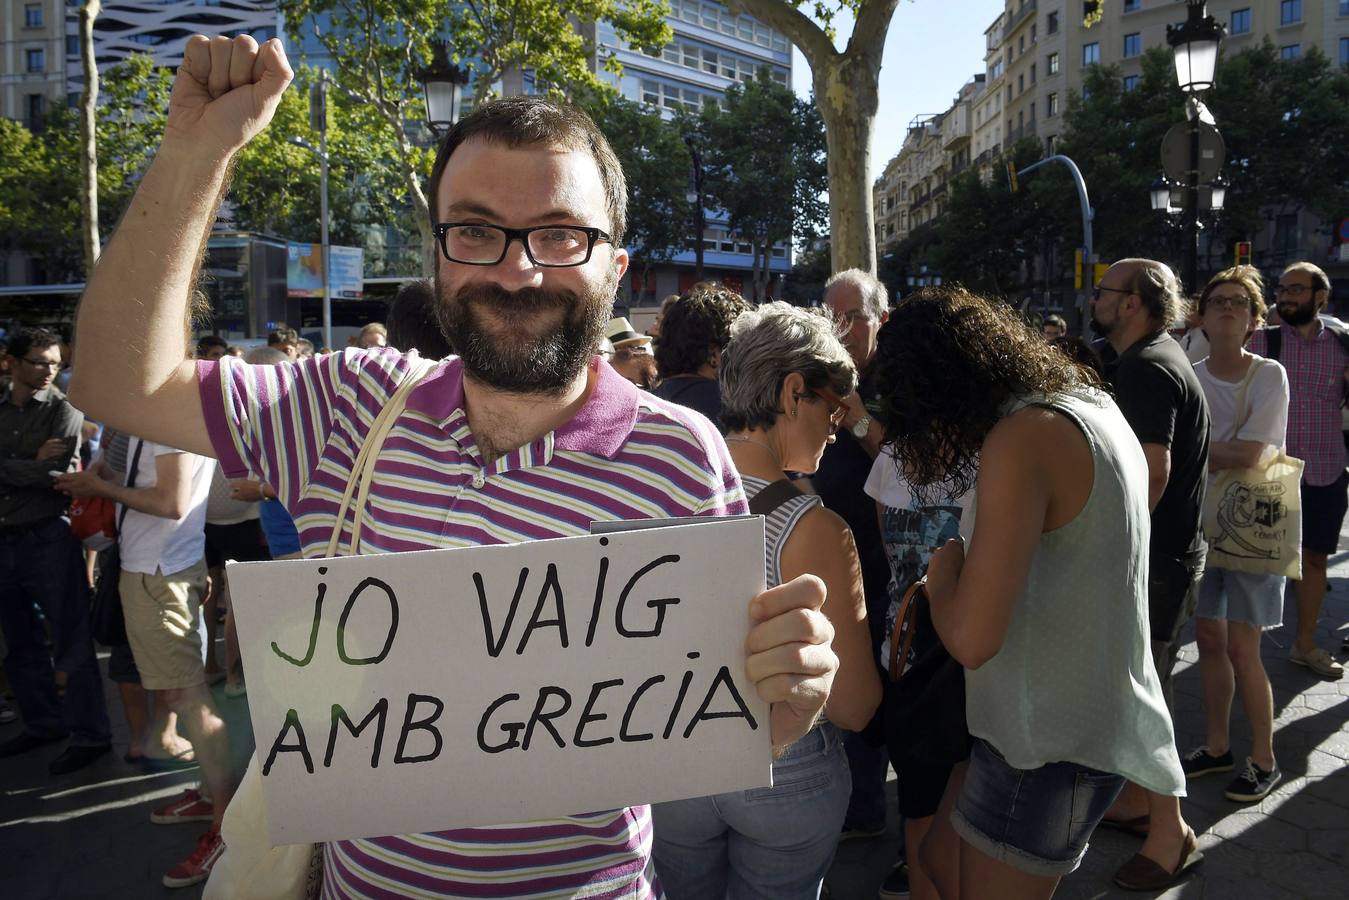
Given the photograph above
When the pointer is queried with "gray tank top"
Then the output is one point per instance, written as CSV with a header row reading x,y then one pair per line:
x,y
778,525
1074,680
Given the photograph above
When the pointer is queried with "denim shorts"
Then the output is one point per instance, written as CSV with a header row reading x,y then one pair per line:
x,y
1035,820
1242,597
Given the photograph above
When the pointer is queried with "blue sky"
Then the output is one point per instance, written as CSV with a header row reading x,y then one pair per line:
x,y
933,47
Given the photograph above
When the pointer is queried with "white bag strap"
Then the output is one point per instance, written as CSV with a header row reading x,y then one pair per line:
x,y
363,469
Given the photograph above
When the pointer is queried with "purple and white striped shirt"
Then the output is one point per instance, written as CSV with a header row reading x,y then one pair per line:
x,y
624,455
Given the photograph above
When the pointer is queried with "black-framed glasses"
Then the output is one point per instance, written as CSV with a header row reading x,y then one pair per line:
x,y
1096,291
1233,302
43,363
550,246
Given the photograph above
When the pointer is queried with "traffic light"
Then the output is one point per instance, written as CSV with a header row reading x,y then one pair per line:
x,y
1243,253
1011,178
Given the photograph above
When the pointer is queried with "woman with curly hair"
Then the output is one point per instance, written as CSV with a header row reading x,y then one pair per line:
x,y
1048,613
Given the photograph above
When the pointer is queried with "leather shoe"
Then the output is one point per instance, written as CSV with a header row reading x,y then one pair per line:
x,y
25,741
76,758
1144,874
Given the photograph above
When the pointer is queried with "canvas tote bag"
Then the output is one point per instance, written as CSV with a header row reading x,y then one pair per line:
x,y
1253,517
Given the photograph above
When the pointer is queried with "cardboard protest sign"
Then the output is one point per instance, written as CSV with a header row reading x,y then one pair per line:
x,y
413,692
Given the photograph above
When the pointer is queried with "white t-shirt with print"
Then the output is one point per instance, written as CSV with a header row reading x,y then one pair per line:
x,y
151,544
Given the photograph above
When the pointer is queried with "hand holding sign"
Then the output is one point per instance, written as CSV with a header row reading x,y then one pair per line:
x,y
789,655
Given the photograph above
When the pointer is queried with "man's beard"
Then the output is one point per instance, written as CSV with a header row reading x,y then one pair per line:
x,y
516,361
1099,328
1296,313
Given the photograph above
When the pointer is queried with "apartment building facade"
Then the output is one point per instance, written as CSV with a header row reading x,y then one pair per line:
x,y
712,50
32,59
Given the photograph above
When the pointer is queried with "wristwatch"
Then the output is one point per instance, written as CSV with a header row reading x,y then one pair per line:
x,y
861,426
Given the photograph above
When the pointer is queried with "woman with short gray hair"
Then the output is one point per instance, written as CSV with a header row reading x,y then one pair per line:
x,y
783,377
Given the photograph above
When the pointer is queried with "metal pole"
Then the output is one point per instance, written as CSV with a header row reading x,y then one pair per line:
x,y
700,214
323,221
1191,229
1080,183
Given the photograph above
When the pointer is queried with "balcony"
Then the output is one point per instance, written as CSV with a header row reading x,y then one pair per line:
x,y
1028,9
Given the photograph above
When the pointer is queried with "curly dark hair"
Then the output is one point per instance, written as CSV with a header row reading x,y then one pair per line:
x,y
695,325
947,362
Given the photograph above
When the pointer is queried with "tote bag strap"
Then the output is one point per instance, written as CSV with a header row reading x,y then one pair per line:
x,y
358,485
1242,411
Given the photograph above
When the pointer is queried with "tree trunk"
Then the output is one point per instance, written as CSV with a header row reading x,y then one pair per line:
x,y
846,94
89,139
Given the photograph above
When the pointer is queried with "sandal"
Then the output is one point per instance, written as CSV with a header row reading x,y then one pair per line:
x,y
1144,874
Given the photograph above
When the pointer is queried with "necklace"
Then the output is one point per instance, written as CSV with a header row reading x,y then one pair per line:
x,y
740,439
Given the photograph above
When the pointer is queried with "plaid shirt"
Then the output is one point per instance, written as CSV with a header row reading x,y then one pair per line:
x,y
1316,389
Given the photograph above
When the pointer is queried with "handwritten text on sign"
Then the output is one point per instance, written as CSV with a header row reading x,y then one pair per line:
x,y
418,692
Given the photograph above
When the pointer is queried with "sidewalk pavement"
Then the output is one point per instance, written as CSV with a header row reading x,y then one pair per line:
x,y
88,834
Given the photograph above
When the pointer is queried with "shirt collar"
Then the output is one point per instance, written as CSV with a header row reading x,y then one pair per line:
x,y
42,396
1146,341
600,426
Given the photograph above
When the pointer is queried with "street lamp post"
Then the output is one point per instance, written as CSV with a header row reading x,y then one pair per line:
x,y
443,85
700,213
318,121
1194,44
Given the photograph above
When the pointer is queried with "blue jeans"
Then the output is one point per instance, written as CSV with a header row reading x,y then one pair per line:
x,y
45,566
772,843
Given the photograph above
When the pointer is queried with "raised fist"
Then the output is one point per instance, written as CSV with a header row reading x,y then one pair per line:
x,y
226,92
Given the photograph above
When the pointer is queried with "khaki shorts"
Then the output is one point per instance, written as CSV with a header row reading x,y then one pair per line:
x,y
163,615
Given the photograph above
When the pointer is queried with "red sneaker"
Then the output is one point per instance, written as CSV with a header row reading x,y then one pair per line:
x,y
197,867
190,807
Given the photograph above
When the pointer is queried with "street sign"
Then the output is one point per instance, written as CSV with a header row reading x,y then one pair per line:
x,y
1176,153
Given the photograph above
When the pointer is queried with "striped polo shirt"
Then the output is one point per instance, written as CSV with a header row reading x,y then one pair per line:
x,y
624,455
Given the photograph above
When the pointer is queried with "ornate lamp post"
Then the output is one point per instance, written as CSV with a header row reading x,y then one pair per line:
x,y
1195,46
443,85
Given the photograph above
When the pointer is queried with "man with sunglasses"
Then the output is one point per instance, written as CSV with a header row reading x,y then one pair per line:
x,y
1314,354
42,563
507,439
1157,391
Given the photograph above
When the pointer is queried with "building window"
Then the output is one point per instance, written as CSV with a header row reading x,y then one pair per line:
x,y
1021,45
1020,83
1290,12
1052,23
1052,105
32,15
1132,5
1241,21
1053,64
72,45
1091,53
1133,45
1291,51
1344,7
1344,51
1032,73
1086,93
37,59
1130,82
34,109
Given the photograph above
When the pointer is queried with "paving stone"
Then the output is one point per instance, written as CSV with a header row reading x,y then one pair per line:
x,y
1258,831
1304,809
1332,843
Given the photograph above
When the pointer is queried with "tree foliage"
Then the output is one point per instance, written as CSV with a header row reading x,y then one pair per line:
x,y
379,46
656,163
765,167
276,185
1285,124
40,207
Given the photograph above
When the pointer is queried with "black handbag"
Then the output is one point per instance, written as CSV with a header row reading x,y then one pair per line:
x,y
925,693
106,621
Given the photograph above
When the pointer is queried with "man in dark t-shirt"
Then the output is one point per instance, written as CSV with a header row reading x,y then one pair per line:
x,y
1156,389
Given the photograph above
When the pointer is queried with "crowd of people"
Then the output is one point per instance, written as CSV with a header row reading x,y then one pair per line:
x,y
983,538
